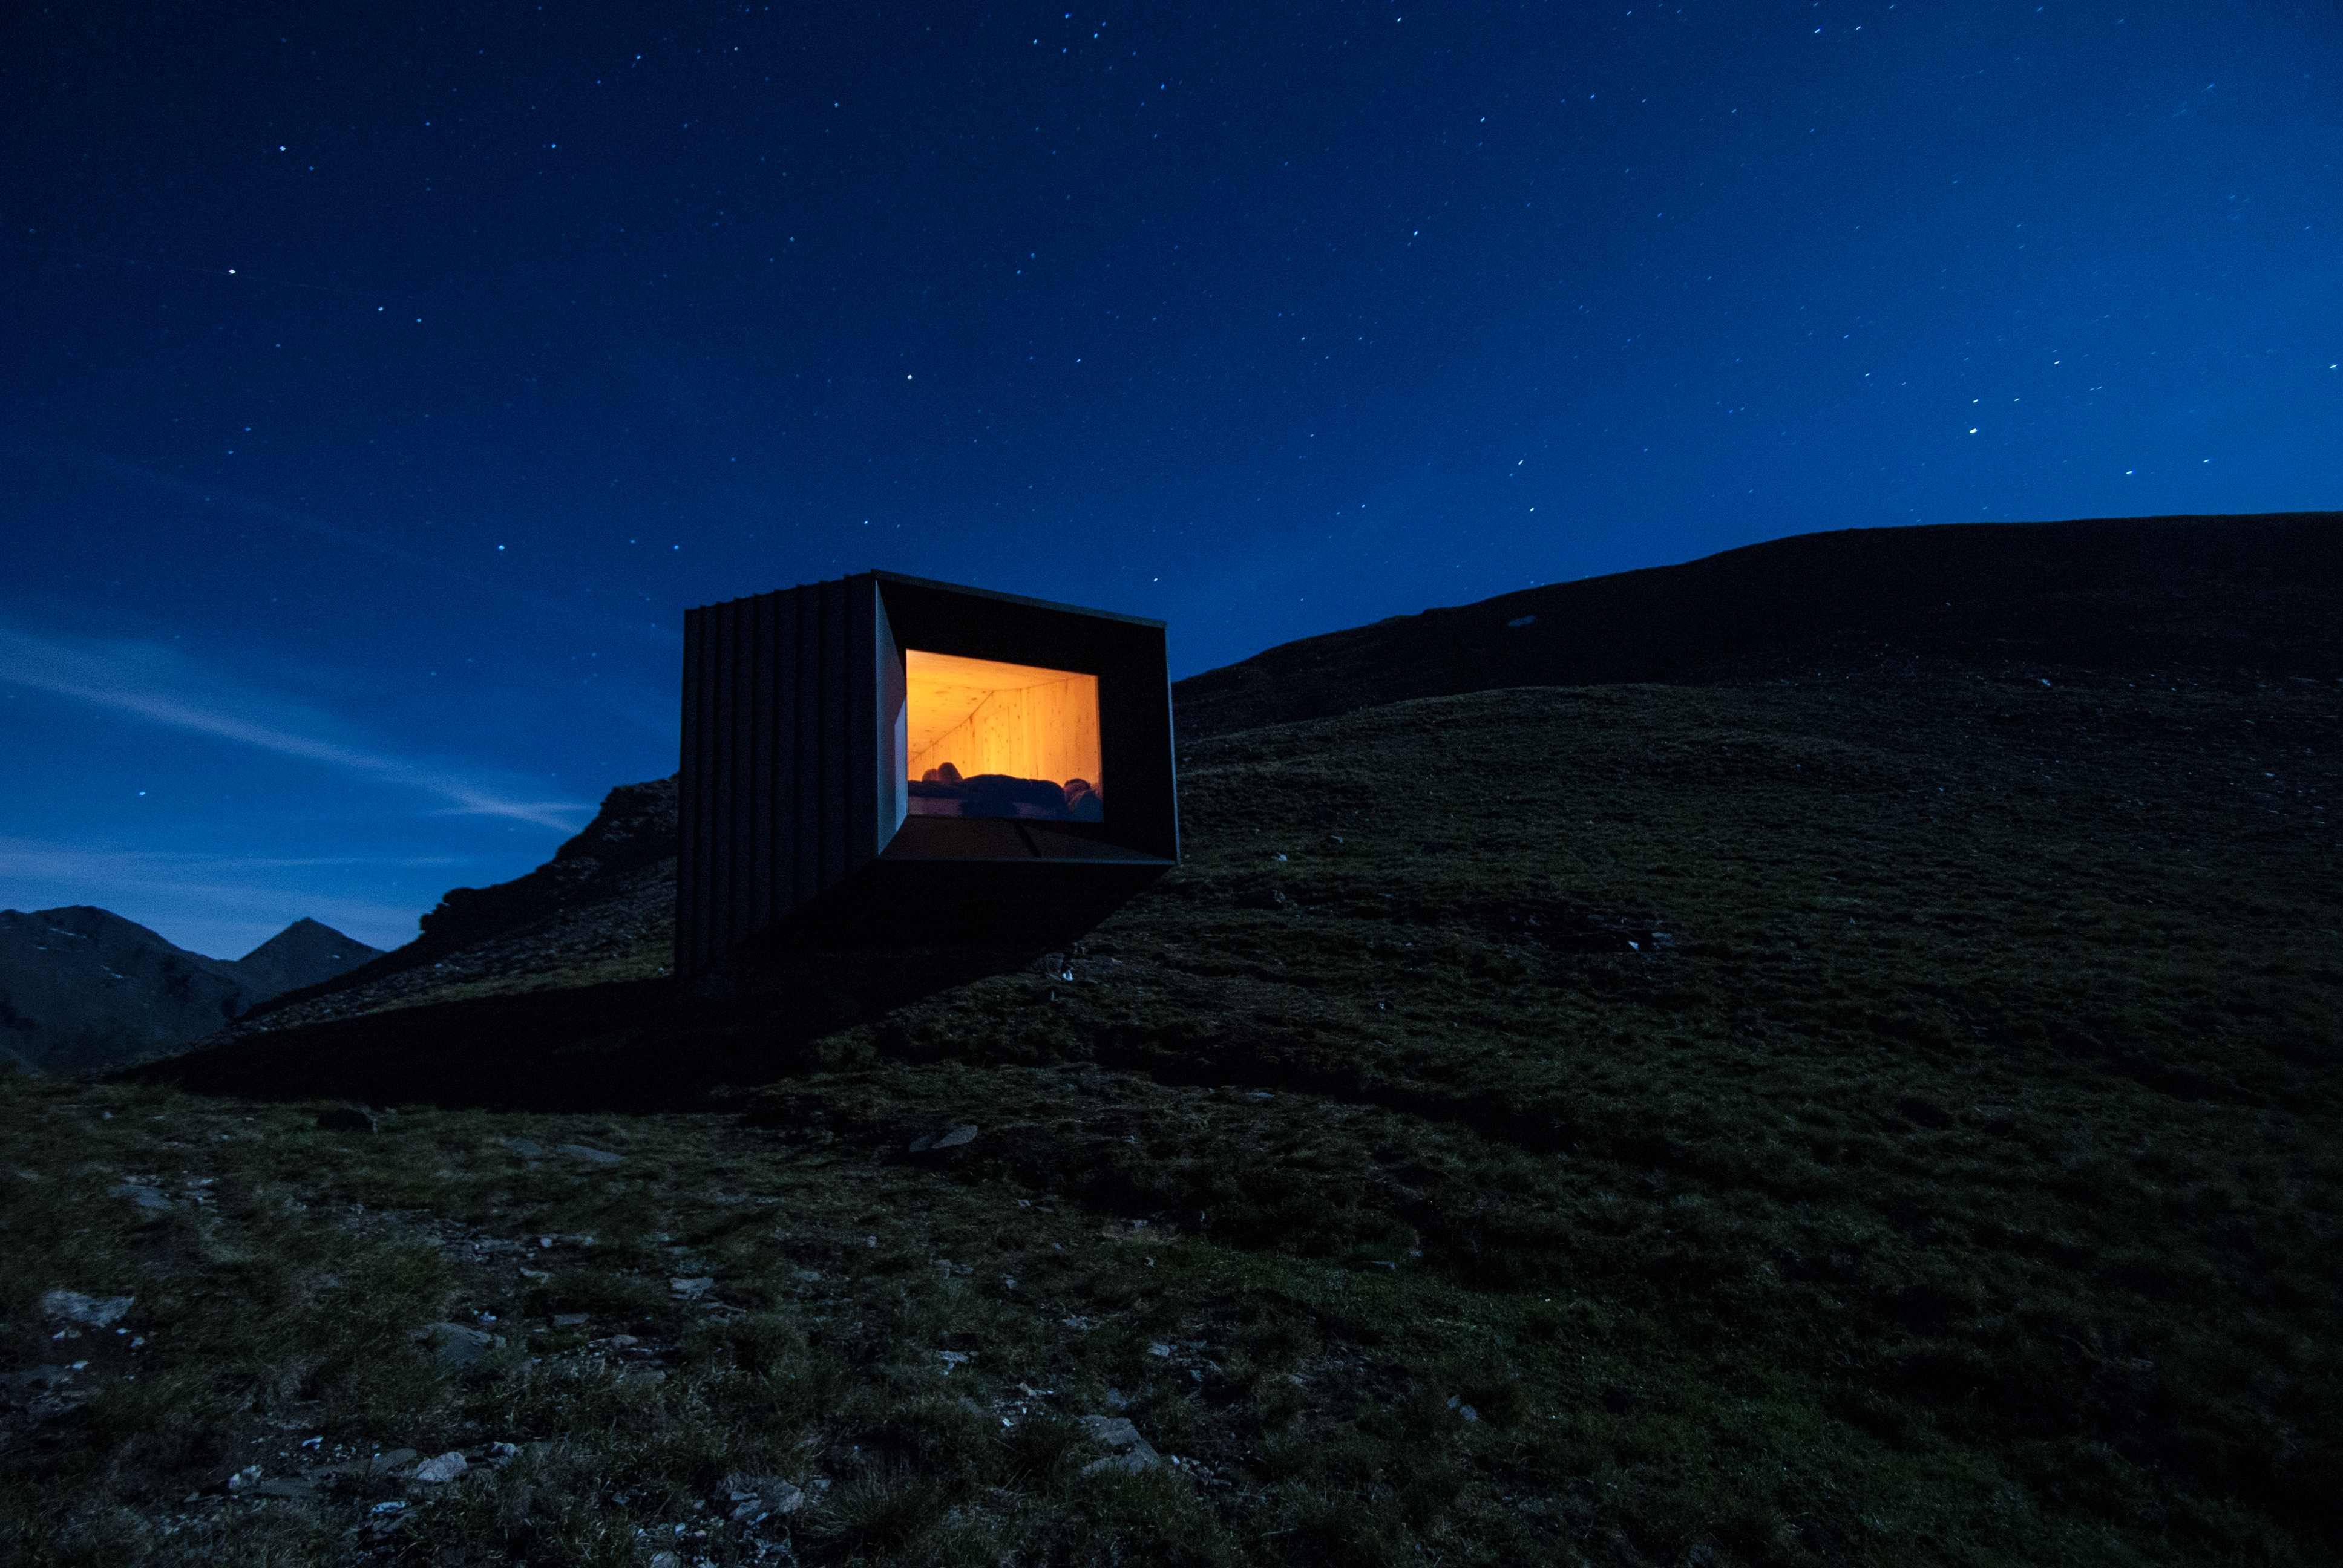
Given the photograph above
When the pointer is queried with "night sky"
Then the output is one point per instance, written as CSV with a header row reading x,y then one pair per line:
x,y
382,383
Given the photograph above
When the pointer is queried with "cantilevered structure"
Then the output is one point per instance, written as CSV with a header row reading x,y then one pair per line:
x,y
887,761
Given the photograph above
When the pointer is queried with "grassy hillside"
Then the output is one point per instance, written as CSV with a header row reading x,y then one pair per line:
x,y
1891,1120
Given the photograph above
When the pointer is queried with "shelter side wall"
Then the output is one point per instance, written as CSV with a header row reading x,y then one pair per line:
x,y
831,675
691,938
802,646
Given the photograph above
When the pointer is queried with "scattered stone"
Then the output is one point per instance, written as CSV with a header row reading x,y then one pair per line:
x,y
53,1398
385,1518
572,1319
953,1359
143,1194
754,1497
527,1148
952,1138
456,1344
598,1156
348,1119
1134,1452
692,1290
391,1460
90,1311
46,1376
1158,1350
446,1468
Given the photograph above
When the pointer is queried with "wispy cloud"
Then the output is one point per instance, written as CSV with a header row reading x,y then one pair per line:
x,y
39,859
162,687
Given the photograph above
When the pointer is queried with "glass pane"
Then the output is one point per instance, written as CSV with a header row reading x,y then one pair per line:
x,y
992,739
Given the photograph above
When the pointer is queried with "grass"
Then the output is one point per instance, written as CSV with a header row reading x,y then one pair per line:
x,y
1861,1122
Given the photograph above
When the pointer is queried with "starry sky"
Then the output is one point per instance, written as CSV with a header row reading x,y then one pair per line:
x,y
383,382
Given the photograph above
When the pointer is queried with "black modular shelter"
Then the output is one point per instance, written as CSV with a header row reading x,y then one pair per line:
x,y
883,761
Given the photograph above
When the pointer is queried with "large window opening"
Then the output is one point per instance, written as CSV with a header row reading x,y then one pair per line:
x,y
990,739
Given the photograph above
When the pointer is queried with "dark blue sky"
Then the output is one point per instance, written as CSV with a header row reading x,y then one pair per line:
x,y
383,382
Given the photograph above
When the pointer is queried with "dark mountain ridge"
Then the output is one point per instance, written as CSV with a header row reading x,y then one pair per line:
x,y
84,989
2233,597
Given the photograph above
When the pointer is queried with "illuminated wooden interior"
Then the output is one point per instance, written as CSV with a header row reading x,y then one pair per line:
x,y
985,717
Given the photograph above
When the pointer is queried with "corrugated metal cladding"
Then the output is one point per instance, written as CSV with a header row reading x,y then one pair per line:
x,y
782,782
794,773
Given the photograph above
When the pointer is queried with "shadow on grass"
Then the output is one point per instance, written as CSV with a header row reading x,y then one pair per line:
x,y
635,1045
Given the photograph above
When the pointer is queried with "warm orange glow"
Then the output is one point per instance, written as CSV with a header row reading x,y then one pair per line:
x,y
984,717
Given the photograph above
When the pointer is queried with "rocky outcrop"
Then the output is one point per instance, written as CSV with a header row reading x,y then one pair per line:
x,y
634,831
602,908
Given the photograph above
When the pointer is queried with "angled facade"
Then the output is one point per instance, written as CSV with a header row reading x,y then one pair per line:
x,y
882,761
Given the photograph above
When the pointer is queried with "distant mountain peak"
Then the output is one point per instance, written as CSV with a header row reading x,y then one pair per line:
x,y
82,989
302,954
